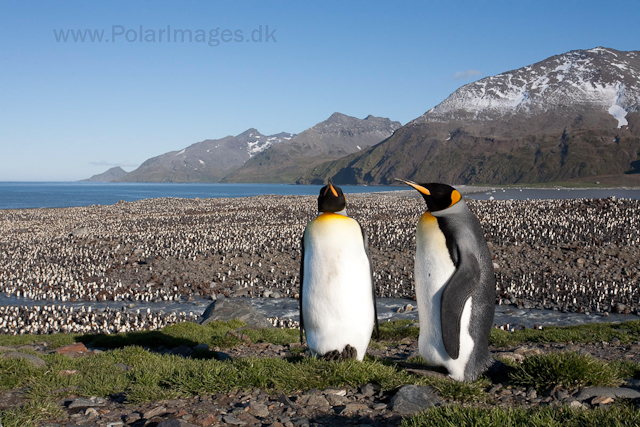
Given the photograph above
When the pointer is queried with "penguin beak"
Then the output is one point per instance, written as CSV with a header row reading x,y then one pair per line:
x,y
418,187
333,190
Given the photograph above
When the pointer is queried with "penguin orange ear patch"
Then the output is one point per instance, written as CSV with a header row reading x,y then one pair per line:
x,y
455,197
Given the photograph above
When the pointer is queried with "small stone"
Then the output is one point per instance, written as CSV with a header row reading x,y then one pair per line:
x,y
412,398
353,408
317,401
72,348
337,400
576,405
158,410
532,393
367,390
601,400
175,423
132,417
230,419
115,424
81,402
91,413
205,420
258,410
335,391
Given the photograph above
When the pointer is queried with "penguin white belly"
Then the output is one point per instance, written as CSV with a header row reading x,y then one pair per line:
x,y
433,269
337,299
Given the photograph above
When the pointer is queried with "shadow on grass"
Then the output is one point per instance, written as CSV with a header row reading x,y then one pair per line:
x,y
149,339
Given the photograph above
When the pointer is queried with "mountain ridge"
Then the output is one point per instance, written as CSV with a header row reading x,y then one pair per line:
x,y
560,128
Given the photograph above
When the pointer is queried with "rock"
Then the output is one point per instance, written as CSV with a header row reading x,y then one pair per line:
x,y
576,405
367,390
235,308
317,401
175,423
222,356
230,419
71,349
81,402
613,392
353,408
337,400
32,358
601,400
91,413
206,420
201,347
258,410
115,424
182,350
412,398
335,391
158,410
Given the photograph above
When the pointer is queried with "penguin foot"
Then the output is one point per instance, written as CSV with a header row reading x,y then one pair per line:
x,y
332,355
348,353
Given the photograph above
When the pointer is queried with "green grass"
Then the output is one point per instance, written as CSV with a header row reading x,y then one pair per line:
x,y
626,332
568,370
155,377
449,416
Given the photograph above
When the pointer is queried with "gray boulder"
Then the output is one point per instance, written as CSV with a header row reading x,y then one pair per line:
x,y
612,392
35,360
235,308
414,398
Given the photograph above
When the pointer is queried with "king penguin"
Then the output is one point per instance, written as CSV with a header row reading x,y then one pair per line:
x,y
455,284
337,297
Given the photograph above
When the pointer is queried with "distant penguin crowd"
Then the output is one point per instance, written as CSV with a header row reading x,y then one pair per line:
x,y
568,255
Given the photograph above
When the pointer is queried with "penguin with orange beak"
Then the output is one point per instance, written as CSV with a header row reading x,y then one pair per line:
x,y
455,284
337,297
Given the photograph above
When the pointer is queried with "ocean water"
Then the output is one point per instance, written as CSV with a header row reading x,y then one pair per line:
x,y
26,195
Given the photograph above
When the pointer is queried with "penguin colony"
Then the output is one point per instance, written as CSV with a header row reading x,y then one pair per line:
x,y
49,319
570,255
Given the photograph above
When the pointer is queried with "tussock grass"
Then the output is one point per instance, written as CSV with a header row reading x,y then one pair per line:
x,y
626,332
569,370
449,416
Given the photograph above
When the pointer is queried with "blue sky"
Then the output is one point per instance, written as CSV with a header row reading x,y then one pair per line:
x,y
69,110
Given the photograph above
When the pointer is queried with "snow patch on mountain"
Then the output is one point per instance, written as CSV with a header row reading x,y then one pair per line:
x,y
598,79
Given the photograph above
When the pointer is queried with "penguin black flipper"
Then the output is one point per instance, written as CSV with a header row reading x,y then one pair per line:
x,y
365,241
457,291
301,282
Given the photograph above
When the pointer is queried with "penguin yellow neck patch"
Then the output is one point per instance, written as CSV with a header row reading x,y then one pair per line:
x,y
330,216
427,217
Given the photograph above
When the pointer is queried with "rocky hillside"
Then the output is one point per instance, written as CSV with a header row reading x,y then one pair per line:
x,y
571,116
206,161
331,139
111,175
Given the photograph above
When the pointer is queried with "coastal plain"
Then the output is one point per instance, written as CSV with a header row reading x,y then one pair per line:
x,y
574,255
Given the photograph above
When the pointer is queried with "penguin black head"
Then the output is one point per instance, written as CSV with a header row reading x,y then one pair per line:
x,y
331,199
438,196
